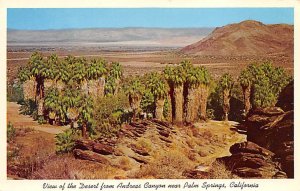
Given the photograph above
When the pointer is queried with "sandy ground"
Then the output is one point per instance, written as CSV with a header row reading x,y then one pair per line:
x,y
23,121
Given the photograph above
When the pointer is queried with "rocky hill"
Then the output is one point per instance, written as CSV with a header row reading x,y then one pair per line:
x,y
246,38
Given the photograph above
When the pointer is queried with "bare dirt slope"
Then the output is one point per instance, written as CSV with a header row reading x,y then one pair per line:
x,y
246,38
23,121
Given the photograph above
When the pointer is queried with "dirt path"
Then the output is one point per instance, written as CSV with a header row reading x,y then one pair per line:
x,y
222,129
24,121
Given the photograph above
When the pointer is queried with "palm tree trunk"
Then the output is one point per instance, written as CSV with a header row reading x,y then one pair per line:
x,y
226,103
72,124
134,102
191,102
84,130
203,95
29,89
102,87
159,107
178,99
117,86
247,103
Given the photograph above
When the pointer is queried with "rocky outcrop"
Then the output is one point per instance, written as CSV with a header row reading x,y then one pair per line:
x,y
252,161
275,132
103,150
269,150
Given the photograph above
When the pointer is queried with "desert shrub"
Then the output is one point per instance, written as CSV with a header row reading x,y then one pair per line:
x,y
30,159
67,167
144,144
167,166
219,171
124,163
11,132
65,141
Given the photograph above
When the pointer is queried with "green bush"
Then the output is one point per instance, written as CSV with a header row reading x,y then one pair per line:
x,y
109,113
65,141
29,107
11,132
15,93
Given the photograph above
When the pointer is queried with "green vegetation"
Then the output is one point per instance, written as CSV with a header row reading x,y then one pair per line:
x,y
65,141
262,84
11,132
94,94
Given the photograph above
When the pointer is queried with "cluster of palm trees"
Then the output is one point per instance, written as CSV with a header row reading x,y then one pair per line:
x,y
74,80
261,84
77,81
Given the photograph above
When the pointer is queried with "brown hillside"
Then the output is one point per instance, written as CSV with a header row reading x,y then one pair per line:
x,y
246,38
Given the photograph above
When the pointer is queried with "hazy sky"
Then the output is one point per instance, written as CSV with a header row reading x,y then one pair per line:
x,y
50,18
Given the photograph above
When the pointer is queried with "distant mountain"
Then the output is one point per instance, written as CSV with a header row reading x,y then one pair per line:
x,y
111,36
246,38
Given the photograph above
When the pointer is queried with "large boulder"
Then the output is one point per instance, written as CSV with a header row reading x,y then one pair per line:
x,y
249,160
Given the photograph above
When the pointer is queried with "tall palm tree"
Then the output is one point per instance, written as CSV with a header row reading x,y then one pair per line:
x,y
116,72
134,90
85,114
176,79
193,81
71,103
158,87
28,83
245,82
96,73
226,83
203,91
39,71
52,104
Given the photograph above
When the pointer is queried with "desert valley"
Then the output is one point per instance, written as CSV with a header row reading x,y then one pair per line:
x,y
135,103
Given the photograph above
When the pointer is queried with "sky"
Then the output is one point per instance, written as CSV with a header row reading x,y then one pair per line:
x,y
66,18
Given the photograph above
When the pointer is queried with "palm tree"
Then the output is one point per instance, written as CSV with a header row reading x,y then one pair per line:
x,y
193,81
96,72
28,83
226,83
134,90
39,70
158,87
203,91
85,114
52,104
71,103
175,78
245,81
116,73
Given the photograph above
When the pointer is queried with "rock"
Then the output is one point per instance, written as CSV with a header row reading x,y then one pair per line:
x,y
195,174
286,98
250,147
165,139
164,133
248,172
90,155
140,159
139,151
162,123
249,160
103,149
84,144
268,111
